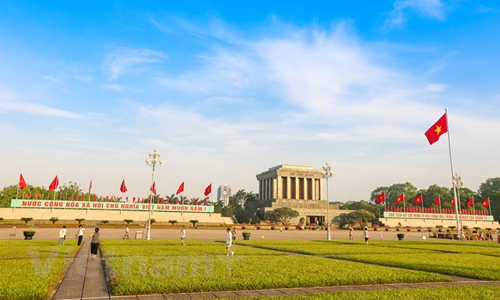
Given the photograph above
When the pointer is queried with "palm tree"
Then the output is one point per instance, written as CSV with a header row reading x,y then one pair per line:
x,y
79,221
54,220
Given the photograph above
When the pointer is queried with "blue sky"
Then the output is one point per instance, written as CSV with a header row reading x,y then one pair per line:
x,y
226,90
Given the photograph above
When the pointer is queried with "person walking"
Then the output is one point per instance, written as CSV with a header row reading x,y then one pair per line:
x,y
95,238
127,230
183,236
229,240
350,232
366,235
79,234
381,235
62,235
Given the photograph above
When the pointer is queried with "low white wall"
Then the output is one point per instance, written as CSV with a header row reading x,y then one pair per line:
x,y
433,223
99,215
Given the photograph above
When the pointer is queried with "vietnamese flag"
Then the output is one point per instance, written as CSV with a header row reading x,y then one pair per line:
x,y
471,202
418,199
153,188
438,200
93,198
453,202
123,187
486,202
208,190
439,128
380,198
180,189
22,182
400,199
54,184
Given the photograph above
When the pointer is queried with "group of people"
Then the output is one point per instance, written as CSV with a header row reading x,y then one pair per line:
x,y
94,239
366,234
230,239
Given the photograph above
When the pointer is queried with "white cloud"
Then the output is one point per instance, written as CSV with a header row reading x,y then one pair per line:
x,y
436,87
433,9
122,59
52,78
37,109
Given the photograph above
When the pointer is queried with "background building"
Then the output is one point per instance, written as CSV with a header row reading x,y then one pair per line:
x,y
297,187
223,194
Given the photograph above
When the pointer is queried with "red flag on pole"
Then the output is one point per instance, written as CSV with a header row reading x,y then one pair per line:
x,y
90,186
180,189
208,190
400,199
453,202
471,202
22,182
153,188
438,200
486,202
93,198
380,198
439,128
418,199
123,187
54,184
133,199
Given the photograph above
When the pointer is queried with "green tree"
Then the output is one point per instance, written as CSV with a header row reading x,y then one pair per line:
x,y
432,192
26,220
54,220
128,221
283,215
393,192
491,189
79,221
356,218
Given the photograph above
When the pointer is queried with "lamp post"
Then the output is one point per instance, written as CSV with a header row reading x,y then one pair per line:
x,y
328,174
457,184
153,161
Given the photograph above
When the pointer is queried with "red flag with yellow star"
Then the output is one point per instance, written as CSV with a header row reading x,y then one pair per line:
x,y
400,199
436,130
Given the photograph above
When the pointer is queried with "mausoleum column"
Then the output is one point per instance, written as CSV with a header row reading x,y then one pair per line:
x,y
288,187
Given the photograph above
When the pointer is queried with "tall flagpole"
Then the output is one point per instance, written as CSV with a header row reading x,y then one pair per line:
x,y
404,203
422,196
459,229
440,209
489,205
17,191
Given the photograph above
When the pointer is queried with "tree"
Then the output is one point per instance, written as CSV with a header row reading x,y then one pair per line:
x,y
153,221
172,222
193,222
432,192
392,192
356,218
491,189
26,220
128,221
227,211
54,220
283,215
79,221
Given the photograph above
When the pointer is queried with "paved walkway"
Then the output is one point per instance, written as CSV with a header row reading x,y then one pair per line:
x,y
85,278
305,291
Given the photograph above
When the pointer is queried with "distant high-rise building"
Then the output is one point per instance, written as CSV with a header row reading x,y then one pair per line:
x,y
223,194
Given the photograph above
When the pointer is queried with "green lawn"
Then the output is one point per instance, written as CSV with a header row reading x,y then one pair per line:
x,y
469,259
32,269
168,267
442,293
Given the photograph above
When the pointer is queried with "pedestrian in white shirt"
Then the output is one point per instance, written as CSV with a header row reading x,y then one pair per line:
x,y
183,236
79,234
229,241
366,235
126,233
62,235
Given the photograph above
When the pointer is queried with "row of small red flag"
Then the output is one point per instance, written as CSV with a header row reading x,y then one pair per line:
x,y
123,188
420,198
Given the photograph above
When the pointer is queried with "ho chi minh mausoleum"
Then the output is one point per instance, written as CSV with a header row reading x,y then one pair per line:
x,y
297,187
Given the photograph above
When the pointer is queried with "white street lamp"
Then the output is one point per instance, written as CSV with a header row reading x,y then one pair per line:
x,y
457,184
328,174
153,161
